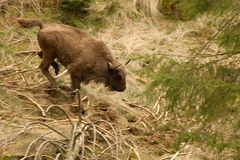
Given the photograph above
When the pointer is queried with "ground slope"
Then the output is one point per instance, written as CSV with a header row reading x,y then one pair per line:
x,y
24,89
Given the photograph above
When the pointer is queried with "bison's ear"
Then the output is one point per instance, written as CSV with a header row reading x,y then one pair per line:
x,y
111,68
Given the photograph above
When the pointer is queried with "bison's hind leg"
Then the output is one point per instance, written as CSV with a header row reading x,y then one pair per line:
x,y
56,67
54,64
48,59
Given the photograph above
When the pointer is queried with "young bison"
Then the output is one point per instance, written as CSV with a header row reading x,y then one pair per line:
x,y
85,57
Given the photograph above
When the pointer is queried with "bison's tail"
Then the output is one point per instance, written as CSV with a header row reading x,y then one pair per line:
x,y
30,23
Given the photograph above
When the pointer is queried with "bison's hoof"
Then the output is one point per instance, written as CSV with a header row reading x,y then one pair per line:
x,y
65,88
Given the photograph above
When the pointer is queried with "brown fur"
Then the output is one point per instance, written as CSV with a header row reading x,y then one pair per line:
x,y
53,64
85,57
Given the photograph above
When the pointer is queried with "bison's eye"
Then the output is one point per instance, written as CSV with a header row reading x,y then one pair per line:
x,y
118,77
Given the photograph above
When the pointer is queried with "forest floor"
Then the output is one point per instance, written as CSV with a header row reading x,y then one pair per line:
x,y
144,131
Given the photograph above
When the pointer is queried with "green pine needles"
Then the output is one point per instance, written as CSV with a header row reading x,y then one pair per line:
x,y
77,7
189,9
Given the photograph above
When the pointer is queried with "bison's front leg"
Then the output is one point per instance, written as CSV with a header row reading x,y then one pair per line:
x,y
75,82
75,85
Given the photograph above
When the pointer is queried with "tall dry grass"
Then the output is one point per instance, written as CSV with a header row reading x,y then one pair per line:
x,y
151,7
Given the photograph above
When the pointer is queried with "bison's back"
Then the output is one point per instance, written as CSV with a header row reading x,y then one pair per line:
x,y
72,44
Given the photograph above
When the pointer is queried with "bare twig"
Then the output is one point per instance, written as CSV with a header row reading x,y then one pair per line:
x,y
44,145
144,108
11,140
73,153
152,128
14,42
28,57
129,154
108,123
216,61
77,142
60,108
83,145
157,102
226,24
36,104
94,140
135,151
40,118
27,52
29,157
159,117
8,67
144,125
39,149
108,148
36,7
57,156
18,72
43,124
21,8
22,76
58,145
73,139
106,139
34,142
80,109
174,156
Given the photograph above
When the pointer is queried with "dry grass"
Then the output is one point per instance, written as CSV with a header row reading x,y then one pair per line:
x,y
127,114
151,7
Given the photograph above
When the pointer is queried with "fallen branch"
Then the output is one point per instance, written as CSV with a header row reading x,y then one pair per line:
x,y
35,103
31,156
80,109
18,72
135,151
32,143
44,145
27,52
15,42
8,67
110,146
144,108
39,118
39,150
57,156
172,156
22,76
60,108
34,123
74,147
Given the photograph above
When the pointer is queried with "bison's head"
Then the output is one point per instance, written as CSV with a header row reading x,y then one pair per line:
x,y
116,77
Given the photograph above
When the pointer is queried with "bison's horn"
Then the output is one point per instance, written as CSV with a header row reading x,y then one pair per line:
x,y
124,64
118,66
127,61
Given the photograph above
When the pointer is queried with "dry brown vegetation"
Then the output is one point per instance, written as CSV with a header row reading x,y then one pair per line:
x,y
38,122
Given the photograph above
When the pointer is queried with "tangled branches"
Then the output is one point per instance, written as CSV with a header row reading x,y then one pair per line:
x,y
83,140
